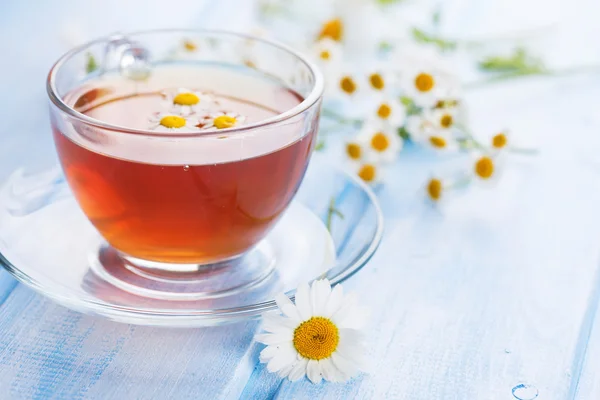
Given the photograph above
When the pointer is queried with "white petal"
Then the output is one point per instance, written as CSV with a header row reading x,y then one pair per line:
x,y
335,301
346,368
356,319
319,293
351,346
303,301
313,371
267,353
277,324
287,307
284,357
299,370
273,338
328,370
348,306
285,371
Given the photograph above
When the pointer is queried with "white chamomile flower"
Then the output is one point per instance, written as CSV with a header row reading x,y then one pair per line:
x,y
382,143
168,122
328,53
222,120
355,150
419,128
343,85
186,101
443,118
425,78
441,141
486,167
388,110
369,171
317,337
500,141
379,80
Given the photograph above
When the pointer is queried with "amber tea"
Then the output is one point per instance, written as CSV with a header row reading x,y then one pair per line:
x,y
195,187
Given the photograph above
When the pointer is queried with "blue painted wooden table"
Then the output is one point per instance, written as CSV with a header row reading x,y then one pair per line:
x,y
499,287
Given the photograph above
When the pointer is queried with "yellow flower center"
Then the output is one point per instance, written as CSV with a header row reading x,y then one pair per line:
x,y
380,141
249,64
434,189
367,173
316,338
189,45
484,167
376,81
437,142
347,85
424,82
172,121
186,99
384,111
224,121
446,121
325,55
353,150
499,141
333,29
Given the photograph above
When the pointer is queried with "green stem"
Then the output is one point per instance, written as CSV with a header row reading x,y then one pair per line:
x,y
327,113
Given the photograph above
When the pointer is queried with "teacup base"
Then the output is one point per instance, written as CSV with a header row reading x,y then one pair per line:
x,y
184,281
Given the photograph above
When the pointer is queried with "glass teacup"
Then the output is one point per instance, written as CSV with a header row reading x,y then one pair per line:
x,y
184,147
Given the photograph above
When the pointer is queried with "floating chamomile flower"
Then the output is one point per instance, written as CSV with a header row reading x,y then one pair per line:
x,y
317,337
222,120
186,101
389,111
170,122
382,143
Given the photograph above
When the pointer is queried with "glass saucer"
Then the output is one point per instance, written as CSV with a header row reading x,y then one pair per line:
x,y
47,243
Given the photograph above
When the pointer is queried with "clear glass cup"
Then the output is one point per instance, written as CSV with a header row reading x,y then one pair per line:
x,y
181,202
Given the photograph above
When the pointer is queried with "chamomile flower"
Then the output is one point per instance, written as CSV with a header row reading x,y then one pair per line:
x,y
332,29
343,85
327,52
441,141
368,171
379,80
500,141
186,101
420,128
443,118
317,337
166,122
222,120
381,142
389,111
355,150
434,189
484,167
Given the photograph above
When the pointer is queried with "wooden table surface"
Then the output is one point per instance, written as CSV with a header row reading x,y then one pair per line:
x,y
499,287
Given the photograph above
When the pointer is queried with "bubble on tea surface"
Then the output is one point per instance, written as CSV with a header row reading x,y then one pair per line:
x,y
186,167
525,391
135,63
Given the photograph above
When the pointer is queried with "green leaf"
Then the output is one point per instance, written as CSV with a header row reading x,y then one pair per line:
x,y
403,133
320,145
91,65
516,64
386,2
423,37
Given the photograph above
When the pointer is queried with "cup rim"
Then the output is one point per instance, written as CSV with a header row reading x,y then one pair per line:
x,y
314,96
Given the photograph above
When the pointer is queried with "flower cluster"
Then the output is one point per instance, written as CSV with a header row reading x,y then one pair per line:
x,y
393,93
187,110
